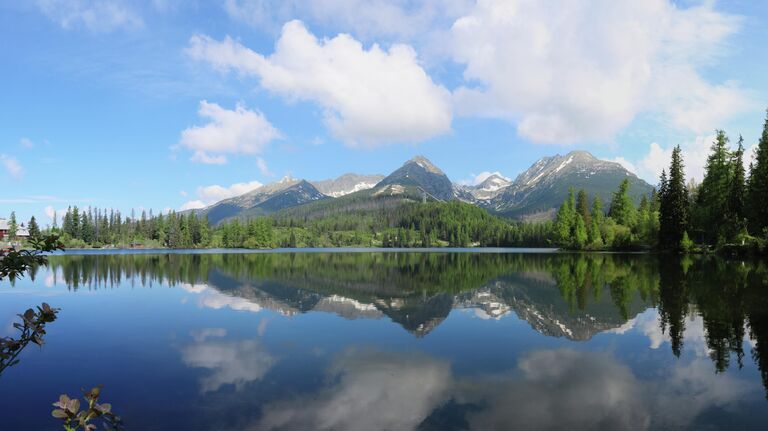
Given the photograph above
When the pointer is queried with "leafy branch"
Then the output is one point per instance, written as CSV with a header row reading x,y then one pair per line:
x,y
68,410
32,329
14,263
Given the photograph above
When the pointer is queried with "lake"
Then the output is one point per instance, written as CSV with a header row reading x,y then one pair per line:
x,y
396,341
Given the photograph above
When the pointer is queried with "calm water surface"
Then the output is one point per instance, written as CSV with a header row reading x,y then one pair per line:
x,y
397,341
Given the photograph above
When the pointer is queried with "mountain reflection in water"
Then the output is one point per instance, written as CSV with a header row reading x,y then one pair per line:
x,y
603,321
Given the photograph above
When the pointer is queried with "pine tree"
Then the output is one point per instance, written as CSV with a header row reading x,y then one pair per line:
x,y
737,193
579,233
710,212
75,223
597,210
13,227
758,185
673,211
565,220
582,207
595,239
34,228
622,210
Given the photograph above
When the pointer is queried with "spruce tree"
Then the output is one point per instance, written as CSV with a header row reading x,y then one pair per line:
x,y
710,212
597,210
580,236
674,204
622,210
34,228
595,238
582,207
758,185
565,220
13,227
737,193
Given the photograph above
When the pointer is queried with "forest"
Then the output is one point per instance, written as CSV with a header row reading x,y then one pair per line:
x,y
724,212
409,224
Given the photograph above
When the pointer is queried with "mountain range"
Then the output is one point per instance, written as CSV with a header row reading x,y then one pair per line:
x,y
534,195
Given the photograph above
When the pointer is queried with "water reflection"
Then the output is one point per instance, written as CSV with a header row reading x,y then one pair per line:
x,y
229,362
574,296
368,390
570,295
548,389
711,313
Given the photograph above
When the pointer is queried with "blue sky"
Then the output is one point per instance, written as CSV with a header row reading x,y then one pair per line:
x,y
169,104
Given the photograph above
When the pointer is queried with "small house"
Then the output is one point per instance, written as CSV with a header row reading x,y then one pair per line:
x,y
22,232
4,227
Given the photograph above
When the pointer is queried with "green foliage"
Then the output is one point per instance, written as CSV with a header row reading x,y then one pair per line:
x,y
710,213
14,263
737,194
385,223
403,223
624,229
622,210
32,328
565,221
13,227
686,245
758,185
580,237
582,207
33,228
674,204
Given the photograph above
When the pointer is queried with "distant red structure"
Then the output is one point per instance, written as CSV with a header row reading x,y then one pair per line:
x,y
3,228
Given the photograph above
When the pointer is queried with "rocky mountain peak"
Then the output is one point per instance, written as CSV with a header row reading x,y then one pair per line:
x,y
417,177
424,163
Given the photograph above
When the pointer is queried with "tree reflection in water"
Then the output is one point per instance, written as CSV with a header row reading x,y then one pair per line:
x,y
566,295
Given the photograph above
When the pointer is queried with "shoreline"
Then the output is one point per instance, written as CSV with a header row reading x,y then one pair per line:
x,y
128,251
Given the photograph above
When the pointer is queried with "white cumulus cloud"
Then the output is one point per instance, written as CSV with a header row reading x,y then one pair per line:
x,y
482,176
51,212
370,96
626,164
208,195
694,154
579,70
192,205
238,131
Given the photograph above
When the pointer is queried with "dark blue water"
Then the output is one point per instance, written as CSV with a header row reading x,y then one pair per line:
x,y
396,341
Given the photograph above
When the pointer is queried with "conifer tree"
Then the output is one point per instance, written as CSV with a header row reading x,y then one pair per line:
x,y
622,210
579,233
13,227
595,238
34,228
565,220
674,204
710,212
758,185
737,193
582,207
597,210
